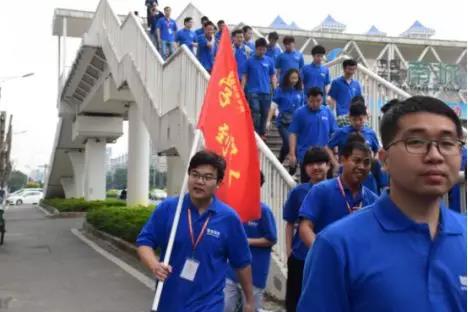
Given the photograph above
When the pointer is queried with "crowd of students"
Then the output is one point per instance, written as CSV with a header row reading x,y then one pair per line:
x,y
356,239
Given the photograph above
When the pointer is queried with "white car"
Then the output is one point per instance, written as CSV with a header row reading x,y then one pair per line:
x,y
157,194
27,197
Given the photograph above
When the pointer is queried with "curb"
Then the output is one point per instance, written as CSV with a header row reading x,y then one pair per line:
x,y
115,241
52,212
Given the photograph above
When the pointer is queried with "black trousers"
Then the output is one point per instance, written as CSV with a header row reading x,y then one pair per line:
x,y
294,283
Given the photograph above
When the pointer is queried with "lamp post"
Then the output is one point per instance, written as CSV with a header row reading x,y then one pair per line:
x,y
9,78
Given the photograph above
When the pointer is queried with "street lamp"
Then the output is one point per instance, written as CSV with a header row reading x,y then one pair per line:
x,y
5,79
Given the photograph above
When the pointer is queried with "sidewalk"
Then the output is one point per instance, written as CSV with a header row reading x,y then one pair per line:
x,y
45,268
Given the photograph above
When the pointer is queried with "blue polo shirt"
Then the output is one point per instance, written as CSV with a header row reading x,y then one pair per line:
x,y
241,54
288,60
288,100
259,71
224,241
325,204
315,75
380,260
154,22
341,135
264,227
312,128
205,54
342,93
455,192
273,52
200,31
168,28
187,37
291,215
251,44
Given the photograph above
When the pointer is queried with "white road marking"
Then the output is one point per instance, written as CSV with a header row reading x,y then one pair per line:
x,y
148,282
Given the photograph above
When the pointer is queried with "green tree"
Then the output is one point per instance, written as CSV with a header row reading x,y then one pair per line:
x,y
119,180
33,184
17,180
108,180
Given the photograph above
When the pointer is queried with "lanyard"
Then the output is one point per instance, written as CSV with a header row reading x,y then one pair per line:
x,y
350,209
202,232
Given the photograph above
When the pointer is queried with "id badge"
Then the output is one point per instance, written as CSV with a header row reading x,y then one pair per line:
x,y
190,269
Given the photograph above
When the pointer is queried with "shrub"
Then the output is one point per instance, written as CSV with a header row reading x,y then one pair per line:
x,y
112,193
123,222
79,204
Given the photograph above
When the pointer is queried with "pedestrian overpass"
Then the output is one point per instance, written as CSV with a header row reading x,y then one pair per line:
x,y
118,75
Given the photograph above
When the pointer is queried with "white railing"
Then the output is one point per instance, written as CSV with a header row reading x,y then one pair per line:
x,y
376,90
161,88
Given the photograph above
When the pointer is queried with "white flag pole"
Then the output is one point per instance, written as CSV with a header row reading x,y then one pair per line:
x,y
170,244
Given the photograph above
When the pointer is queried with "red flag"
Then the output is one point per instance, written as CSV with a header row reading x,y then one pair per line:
x,y
227,126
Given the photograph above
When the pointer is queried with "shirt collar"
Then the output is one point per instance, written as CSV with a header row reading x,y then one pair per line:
x,y
391,218
346,81
211,207
359,196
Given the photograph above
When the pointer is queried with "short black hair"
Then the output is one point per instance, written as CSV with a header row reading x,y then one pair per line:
x,y
318,49
352,145
260,42
314,91
273,36
358,108
314,155
358,98
262,178
204,19
388,105
167,7
187,19
220,22
246,28
208,23
416,104
288,39
355,137
349,62
206,157
285,82
237,31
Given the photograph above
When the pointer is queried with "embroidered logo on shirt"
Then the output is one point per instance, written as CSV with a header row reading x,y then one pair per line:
x,y
462,280
213,233
252,223
324,118
322,74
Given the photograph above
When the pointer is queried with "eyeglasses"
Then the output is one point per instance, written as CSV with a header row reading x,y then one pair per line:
x,y
205,178
420,146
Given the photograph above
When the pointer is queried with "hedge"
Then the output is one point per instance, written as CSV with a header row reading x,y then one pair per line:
x,y
123,222
79,204
112,193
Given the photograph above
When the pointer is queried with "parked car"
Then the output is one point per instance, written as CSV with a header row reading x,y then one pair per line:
x,y
26,197
156,194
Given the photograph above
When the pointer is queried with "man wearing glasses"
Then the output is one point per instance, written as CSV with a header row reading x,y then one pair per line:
x,y
208,236
406,252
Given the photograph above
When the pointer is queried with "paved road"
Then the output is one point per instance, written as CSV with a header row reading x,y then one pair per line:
x,y
45,268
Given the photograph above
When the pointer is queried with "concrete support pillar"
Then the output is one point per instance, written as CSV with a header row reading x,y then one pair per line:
x,y
175,174
95,169
77,160
138,158
69,187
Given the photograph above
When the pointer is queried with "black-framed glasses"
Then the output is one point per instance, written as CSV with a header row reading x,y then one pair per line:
x,y
420,146
204,177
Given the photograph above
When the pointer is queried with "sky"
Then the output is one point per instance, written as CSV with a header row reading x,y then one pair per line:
x,y
27,45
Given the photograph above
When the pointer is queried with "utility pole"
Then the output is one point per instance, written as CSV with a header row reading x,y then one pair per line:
x,y
5,149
